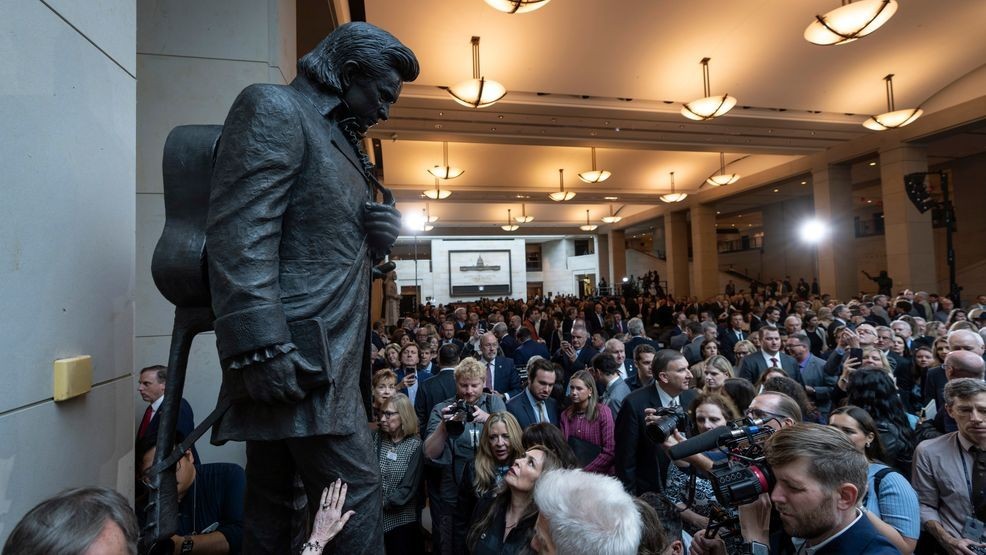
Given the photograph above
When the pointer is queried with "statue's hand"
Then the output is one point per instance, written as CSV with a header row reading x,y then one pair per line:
x,y
275,380
382,223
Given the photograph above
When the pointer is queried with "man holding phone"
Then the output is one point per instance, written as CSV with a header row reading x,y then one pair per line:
x,y
575,355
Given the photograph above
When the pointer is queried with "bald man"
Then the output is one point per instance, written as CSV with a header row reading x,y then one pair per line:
x,y
958,364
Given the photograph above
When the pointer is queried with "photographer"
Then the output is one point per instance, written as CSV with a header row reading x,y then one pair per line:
x,y
635,450
453,434
820,480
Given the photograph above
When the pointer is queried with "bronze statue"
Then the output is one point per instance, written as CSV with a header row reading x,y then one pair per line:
x,y
296,222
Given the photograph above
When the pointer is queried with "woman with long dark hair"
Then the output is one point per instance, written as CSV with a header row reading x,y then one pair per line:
x,y
587,424
891,503
507,522
873,390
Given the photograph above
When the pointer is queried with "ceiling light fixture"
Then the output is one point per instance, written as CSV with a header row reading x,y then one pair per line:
x,y
510,225
594,175
588,226
419,223
673,197
437,193
478,92
849,22
613,217
517,6
428,217
523,218
561,195
892,118
446,171
723,178
709,106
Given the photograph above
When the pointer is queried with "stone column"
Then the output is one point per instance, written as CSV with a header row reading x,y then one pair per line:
x,y
832,193
676,241
602,259
909,236
617,255
705,251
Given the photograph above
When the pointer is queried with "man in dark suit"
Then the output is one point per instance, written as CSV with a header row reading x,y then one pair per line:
x,y
528,348
769,355
535,404
595,321
294,228
574,355
508,343
635,327
151,388
818,384
501,375
439,387
730,335
635,452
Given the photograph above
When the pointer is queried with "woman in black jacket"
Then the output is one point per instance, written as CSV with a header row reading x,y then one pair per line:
x,y
873,390
507,522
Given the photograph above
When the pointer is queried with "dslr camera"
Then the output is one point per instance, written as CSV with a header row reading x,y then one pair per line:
x,y
461,412
671,418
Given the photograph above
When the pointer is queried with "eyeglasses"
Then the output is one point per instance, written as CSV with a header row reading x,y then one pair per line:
x,y
762,414
388,414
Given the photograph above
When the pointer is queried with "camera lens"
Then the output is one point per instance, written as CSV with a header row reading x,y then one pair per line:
x,y
660,430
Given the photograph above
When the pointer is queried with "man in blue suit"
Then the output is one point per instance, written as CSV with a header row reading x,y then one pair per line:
x,y
528,348
151,388
821,514
574,355
535,404
818,384
769,355
501,375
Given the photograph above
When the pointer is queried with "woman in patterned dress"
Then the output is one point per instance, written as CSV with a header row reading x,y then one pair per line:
x,y
398,449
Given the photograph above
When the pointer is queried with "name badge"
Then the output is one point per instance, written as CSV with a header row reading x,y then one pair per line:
x,y
391,455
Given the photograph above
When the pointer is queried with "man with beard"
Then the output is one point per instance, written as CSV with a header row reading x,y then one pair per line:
x,y
821,478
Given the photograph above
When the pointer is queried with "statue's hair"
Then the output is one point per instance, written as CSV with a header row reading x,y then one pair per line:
x,y
375,50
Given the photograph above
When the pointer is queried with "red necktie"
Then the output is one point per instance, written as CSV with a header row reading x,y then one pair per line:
x,y
145,421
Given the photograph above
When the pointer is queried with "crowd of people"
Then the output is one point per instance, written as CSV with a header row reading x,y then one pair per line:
x,y
549,426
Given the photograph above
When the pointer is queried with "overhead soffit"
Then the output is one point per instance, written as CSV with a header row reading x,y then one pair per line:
x,y
794,98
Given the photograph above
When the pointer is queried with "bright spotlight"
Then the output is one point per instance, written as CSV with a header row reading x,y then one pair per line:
x,y
813,231
626,279
414,221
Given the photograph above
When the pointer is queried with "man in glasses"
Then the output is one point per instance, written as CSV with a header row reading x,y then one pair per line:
x,y
776,409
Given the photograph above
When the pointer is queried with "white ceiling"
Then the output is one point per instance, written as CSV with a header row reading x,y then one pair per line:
x,y
795,98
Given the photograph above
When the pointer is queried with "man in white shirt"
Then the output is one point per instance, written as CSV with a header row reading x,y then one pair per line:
x,y
151,386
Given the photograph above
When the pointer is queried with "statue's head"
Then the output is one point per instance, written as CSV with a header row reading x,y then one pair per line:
x,y
365,65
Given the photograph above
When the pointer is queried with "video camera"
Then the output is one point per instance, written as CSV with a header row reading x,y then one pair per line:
x,y
461,412
671,418
742,476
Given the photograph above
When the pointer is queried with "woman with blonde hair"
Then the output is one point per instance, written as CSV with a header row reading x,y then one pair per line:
x,y
717,370
588,426
398,449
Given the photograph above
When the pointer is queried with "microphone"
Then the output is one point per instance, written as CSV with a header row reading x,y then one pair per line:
x,y
709,440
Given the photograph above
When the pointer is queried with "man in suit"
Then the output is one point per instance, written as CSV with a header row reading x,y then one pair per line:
x,y
818,384
731,335
770,355
606,372
439,387
528,348
574,355
535,404
595,321
643,361
701,332
151,387
508,343
624,366
293,231
619,324
635,327
635,452
679,336
539,327
840,318
501,375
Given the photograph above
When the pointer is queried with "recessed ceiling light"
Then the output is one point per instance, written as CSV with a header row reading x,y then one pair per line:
x,y
872,163
777,190
869,201
804,182
611,198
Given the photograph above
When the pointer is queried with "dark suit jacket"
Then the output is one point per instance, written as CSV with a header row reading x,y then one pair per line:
x,y
432,391
506,379
728,340
186,423
860,539
582,361
593,324
521,408
753,365
635,452
815,376
508,344
528,349
286,243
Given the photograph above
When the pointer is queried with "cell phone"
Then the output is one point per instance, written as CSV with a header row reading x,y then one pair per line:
x,y
856,353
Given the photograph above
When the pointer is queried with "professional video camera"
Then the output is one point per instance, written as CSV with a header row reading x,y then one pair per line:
x,y
461,412
742,476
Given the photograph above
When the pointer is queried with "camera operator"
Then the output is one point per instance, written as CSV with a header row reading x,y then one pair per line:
x,y
453,433
636,451
820,480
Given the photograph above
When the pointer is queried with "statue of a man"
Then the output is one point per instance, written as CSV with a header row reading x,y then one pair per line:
x,y
294,229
